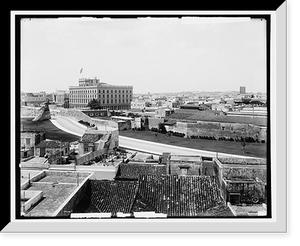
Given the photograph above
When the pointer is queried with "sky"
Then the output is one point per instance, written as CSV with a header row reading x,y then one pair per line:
x,y
151,54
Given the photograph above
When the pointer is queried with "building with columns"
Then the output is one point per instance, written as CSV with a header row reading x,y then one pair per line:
x,y
113,97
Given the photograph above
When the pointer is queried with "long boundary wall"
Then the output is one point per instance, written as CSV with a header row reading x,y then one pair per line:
x,y
79,115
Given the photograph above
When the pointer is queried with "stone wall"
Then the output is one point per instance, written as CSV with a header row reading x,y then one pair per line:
x,y
250,192
245,173
219,129
153,122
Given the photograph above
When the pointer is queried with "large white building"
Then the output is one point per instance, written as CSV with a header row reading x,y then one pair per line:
x,y
113,97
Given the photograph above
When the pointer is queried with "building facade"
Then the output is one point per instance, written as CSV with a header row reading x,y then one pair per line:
x,y
33,99
113,97
243,89
61,98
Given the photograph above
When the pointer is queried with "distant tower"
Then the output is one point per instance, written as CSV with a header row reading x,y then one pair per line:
x,y
243,89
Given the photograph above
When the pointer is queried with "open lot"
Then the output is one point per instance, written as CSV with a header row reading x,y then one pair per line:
x,y
251,149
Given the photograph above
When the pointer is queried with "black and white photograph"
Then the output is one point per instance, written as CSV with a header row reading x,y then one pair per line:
x,y
143,116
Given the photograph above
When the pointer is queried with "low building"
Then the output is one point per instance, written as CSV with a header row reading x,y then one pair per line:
x,y
139,104
51,147
184,165
29,139
33,99
96,112
243,180
51,193
91,141
163,112
215,124
124,123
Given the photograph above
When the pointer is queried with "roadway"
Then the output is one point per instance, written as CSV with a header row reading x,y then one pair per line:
x,y
73,127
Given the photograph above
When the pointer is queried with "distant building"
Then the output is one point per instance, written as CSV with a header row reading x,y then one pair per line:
x,y
163,112
61,98
124,123
243,89
138,104
113,97
33,99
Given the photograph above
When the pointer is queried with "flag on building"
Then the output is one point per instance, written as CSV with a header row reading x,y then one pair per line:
x,y
81,70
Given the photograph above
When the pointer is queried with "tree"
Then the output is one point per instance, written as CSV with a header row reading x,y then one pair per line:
x,y
94,104
243,144
162,128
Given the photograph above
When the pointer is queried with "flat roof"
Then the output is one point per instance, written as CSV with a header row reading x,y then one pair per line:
x,y
185,158
56,186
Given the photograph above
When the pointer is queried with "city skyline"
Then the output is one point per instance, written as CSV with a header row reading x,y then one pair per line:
x,y
152,55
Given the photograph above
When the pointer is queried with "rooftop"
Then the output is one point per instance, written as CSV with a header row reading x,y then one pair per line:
x,y
57,186
134,170
90,138
108,197
185,158
179,196
175,196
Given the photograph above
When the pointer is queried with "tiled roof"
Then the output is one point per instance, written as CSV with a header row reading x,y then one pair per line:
x,y
52,144
90,138
183,196
107,196
133,170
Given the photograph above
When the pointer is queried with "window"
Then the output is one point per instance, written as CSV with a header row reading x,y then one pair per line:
x,y
27,141
85,149
223,128
184,171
